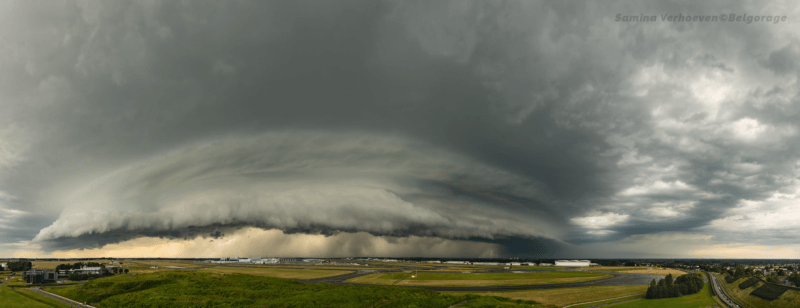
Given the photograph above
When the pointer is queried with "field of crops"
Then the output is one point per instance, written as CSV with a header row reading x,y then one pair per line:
x,y
769,291
748,283
789,299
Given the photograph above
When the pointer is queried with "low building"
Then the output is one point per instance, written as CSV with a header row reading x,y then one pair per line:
x,y
39,276
545,264
573,263
267,261
89,270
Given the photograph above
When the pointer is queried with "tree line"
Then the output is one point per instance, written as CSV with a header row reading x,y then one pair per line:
x,y
669,287
78,265
19,266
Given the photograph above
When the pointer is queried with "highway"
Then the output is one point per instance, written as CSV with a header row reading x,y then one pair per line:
x,y
720,292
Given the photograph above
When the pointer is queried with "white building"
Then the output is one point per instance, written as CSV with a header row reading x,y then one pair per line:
x,y
267,261
573,263
89,270
243,260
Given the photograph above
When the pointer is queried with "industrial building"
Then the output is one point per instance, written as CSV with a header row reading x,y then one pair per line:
x,y
574,263
39,276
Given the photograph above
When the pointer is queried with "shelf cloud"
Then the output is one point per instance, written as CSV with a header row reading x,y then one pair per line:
x,y
526,128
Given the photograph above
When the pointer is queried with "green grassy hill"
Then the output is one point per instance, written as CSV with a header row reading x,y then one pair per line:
x,y
697,300
197,289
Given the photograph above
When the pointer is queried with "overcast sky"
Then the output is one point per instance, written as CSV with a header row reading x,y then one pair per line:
x,y
398,128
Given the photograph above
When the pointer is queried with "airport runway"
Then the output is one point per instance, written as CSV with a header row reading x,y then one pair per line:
x,y
618,279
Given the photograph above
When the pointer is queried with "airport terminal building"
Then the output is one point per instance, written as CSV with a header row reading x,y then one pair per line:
x,y
574,263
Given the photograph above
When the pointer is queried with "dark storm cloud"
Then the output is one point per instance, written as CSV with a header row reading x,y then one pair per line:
x,y
552,113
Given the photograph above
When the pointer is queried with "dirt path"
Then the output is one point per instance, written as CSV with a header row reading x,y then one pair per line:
x,y
600,300
460,303
614,303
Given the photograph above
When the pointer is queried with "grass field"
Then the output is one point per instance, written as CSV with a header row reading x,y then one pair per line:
x,y
566,296
476,279
19,298
609,268
275,272
608,301
200,289
790,298
699,300
656,271
16,282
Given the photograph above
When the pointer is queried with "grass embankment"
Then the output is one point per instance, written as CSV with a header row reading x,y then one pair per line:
x,y
790,298
19,298
697,300
565,296
199,289
608,301
275,272
476,279
16,282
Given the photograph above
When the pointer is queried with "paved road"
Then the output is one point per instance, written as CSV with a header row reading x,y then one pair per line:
x,y
50,295
720,292
60,298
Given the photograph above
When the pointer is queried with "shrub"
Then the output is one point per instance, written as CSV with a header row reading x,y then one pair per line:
x,y
748,283
730,279
769,291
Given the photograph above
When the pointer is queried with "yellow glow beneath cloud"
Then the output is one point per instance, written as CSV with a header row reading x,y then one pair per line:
x,y
272,243
740,251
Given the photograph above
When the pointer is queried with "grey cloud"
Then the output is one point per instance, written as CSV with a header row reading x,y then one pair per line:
x,y
553,109
303,182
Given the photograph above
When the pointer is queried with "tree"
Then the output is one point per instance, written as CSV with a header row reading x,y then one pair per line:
x,y
19,266
126,271
773,279
781,273
794,278
669,287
